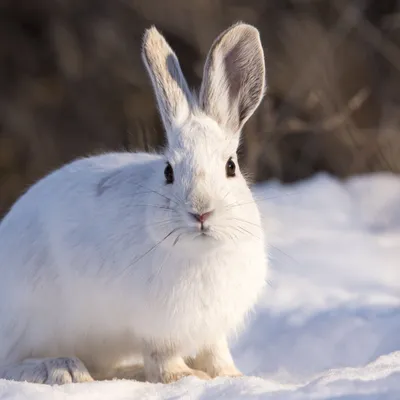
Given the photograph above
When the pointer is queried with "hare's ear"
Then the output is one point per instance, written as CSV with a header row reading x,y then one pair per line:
x,y
234,77
173,95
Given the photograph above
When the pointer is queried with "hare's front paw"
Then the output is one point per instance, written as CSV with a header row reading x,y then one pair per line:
x,y
51,371
215,360
166,367
173,375
230,371
214,369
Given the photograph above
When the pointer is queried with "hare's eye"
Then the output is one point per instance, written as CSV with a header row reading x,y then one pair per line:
x,y
169,173
230,168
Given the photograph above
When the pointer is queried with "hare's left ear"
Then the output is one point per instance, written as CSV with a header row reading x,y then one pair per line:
x,y
173,95
234,77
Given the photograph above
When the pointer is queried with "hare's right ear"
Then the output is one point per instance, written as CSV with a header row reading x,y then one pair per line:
x,y
234,77
173,95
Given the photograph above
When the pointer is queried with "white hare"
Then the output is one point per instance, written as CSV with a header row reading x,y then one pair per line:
x,y
157,256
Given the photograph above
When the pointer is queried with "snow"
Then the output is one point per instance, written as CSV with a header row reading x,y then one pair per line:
x,y
328,324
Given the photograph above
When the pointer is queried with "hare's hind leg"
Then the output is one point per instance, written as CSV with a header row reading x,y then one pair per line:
x,y
51,371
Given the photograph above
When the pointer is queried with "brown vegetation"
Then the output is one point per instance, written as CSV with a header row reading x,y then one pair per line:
x,y
72,82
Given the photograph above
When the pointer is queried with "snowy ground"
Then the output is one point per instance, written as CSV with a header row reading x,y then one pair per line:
x,y
327,327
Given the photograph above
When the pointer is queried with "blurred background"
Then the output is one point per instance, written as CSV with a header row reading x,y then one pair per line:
x,y
72,82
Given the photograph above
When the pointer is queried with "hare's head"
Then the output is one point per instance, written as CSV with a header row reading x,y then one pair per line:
x,y
203,132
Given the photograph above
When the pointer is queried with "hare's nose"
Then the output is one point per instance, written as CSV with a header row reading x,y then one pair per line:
x,y
201,217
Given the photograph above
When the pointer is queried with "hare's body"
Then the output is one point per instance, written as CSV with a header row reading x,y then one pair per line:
x,y
124,254
69,287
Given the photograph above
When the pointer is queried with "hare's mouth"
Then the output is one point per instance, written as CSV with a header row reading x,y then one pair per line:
x,y
205,234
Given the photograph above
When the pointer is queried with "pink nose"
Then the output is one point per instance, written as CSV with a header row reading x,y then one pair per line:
x,y
202,217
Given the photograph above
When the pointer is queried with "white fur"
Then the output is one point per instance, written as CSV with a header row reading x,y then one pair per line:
x,y
100,260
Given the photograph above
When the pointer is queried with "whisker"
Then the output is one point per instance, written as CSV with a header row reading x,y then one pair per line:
x,y
177,239
156,192
154,223
285,254
178,199
243,220
241,228
153,206
234,238
263,198
247,232
259,200
160,268
226,195
151,249
151,191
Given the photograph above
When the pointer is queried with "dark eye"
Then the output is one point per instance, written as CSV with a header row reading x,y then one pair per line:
x,y
169,174
230,168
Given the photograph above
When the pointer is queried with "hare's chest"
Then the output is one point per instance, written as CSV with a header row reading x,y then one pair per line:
x,y
210,297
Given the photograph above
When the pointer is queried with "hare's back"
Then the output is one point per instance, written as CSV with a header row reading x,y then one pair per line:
x,y
65,196
81,178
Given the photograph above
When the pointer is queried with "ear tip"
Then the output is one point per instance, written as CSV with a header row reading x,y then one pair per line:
x,y
245,27
152,30
242,30
151,38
